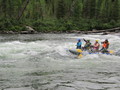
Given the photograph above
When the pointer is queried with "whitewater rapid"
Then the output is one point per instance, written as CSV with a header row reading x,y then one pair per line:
x,y
42,62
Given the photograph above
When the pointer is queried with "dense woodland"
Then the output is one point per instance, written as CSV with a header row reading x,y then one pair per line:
x,y
59,15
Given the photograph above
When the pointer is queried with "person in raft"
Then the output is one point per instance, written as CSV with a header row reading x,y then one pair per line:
x,y
105,46
79,44
96,46
87,45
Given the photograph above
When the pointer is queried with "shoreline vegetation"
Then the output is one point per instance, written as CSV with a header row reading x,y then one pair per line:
x,y
59,16
30,30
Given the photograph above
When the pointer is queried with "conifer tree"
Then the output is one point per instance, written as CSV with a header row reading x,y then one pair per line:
x,y
89,8
60,9
77,9
115,10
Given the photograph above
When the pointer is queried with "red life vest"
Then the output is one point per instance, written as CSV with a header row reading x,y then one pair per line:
x,y
105,45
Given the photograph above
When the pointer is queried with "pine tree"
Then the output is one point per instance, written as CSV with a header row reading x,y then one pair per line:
x,y
60,9
77,11
115,10
89,8
4,8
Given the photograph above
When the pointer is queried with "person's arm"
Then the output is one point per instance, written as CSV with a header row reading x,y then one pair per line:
x,y
84,40
77,44
107,46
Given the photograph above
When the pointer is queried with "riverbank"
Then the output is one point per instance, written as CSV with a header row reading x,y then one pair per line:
x,y
30,30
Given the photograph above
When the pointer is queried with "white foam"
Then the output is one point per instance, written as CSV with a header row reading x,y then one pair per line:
x,y
23,63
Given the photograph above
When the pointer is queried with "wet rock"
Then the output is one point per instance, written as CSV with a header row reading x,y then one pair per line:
x,y
11,32
74,31
8,32
105,33
117,53
24,32
29,30
117,31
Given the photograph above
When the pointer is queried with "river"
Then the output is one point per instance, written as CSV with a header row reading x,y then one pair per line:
x,y
42,62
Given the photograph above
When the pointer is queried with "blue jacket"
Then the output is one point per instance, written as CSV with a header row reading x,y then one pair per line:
x,y
79,43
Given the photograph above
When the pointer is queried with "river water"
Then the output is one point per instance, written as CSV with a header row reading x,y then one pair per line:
x,y
42,62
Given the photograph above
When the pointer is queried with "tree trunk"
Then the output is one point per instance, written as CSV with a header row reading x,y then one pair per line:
x,y
23,9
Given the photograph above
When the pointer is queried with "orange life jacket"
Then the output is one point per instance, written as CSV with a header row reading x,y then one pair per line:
x,y
105,45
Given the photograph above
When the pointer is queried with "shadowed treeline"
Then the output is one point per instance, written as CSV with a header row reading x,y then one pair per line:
x,y
59,15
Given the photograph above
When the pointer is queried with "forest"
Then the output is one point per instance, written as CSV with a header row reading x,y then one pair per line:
x,y
59,15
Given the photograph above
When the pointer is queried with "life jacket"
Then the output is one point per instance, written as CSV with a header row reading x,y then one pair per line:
x,y
96,45
105,45
79,43
87,45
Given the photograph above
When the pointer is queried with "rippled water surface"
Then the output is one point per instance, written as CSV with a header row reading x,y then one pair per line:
x,y
42,62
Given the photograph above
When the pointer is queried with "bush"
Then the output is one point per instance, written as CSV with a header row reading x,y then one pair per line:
x,y
9,24
4,24
106,26
43,26
118,24
17,28
61,25
112,22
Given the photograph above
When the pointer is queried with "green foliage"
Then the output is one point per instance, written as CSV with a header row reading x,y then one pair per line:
x,y
77,10
60,15
112,22
60,9
9,24
44,26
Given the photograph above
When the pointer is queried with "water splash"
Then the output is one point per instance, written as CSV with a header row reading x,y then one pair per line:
x,y
44,63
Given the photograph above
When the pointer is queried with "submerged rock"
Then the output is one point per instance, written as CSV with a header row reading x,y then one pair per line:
x,y
105,33
117,53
